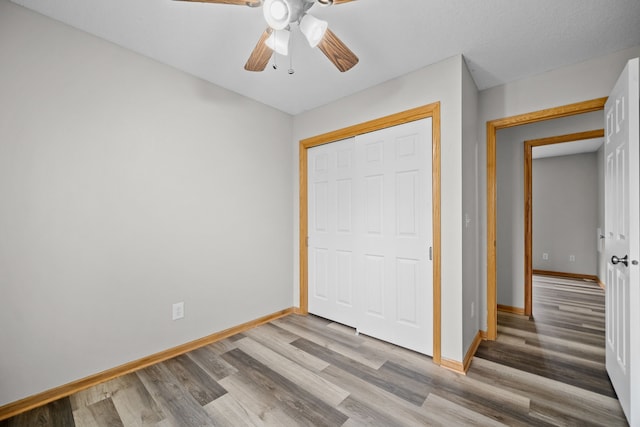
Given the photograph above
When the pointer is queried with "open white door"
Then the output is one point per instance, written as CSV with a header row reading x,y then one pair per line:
x,y
622,244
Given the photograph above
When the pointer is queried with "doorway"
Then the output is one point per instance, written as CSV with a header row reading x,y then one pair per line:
x,y
492,128
528,203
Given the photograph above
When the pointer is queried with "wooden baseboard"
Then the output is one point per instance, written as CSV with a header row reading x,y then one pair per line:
x,y
484,335
472,351
463,367
453,365
31,402
510,309
600,283
566,275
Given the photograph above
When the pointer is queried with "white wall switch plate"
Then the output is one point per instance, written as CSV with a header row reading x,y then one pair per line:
x,y
177,311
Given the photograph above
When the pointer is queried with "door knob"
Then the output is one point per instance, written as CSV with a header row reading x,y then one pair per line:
x,y
615,260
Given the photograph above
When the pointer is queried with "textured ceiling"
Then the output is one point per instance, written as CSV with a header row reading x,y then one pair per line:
x,y
502,40
567,148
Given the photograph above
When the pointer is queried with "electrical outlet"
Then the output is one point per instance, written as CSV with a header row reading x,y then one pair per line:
x,y
572,258
177,310
545,256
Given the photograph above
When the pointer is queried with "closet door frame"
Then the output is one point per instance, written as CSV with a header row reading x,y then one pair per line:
x,y
427,111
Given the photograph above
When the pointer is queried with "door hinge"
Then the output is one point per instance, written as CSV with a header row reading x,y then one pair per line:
x,y
307,241
430,253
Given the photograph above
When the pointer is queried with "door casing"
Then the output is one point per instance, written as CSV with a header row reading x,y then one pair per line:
x,y
492,128
430,110
528,203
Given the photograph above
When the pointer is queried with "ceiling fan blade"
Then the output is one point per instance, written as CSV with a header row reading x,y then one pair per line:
x,y
252,3
337,52
261,54
332,2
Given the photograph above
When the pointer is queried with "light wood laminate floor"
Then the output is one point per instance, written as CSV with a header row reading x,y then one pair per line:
x,y
310,371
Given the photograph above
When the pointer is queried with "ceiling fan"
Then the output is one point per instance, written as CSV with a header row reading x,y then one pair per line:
x,y
280,14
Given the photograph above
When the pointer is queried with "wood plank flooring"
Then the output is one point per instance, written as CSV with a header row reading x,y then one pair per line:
x,y
309,371
565,341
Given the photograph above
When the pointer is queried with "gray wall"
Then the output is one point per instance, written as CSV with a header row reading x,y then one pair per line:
x,y
127,186
470,219
565,213
510,197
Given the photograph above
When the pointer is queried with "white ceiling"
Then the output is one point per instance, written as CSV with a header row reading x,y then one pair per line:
x,y
502,40
567,148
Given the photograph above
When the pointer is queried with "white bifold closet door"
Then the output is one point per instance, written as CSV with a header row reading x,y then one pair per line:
x,y
370,234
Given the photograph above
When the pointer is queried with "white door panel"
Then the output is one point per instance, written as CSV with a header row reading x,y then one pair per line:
x,y
376,191
331,260
622,240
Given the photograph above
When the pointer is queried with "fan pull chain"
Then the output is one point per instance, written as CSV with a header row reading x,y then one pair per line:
x,y
291,70
275,54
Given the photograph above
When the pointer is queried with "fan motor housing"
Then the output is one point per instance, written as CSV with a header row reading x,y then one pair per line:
x,y
280,13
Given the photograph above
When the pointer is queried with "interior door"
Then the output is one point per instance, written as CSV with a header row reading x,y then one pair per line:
x,y
395,235
332,237
370,230
622,240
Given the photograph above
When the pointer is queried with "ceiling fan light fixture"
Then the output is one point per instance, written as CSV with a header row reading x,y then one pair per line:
x,y
279,42
277,13
313,29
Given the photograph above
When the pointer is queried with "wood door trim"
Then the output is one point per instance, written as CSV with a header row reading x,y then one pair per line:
x,y
453,365
371,126
492,127
468,358
463,367
426,111
40,399
528,202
